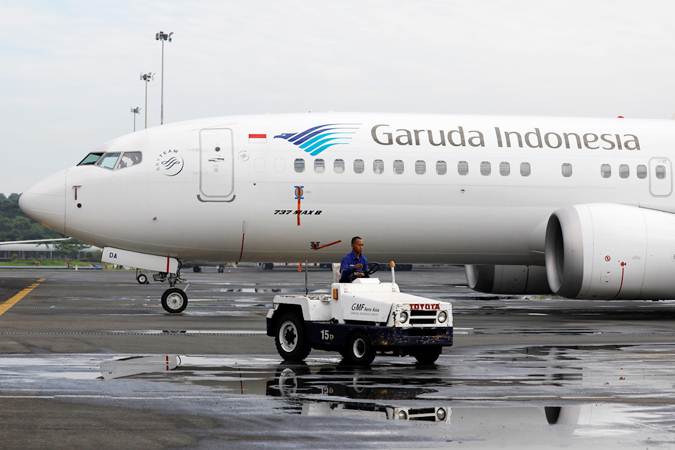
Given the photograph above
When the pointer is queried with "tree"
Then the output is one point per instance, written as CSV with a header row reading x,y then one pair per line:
x,y
70,249
16,226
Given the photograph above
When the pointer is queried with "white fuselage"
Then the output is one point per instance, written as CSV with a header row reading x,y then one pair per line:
x,y
229,194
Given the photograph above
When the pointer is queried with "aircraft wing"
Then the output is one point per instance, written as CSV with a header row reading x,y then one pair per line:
x,y
35,241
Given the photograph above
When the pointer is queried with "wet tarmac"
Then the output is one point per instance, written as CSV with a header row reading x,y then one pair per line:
x,y
89,359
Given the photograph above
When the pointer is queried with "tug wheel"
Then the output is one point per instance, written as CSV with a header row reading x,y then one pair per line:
x,y
290,338
142,278
427,355
174,300
358,350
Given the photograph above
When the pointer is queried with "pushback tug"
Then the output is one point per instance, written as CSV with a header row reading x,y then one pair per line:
x,y
360,319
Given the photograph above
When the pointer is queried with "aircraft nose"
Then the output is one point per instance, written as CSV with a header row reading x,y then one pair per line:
x,y
45,202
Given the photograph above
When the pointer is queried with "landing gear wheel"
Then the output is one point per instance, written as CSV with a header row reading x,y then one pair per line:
x,y
174,300
142,278
290,338
359,350
427,355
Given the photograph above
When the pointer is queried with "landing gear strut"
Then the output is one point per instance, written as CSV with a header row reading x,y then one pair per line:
x,y
174,300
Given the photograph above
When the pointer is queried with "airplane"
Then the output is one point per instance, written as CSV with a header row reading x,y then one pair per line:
x,y
579,207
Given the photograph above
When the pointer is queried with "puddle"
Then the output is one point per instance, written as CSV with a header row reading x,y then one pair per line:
x,y
331,393
136,365
573,373
515,397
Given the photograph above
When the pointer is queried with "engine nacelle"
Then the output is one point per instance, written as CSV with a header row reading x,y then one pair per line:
x,y
507,279
611,251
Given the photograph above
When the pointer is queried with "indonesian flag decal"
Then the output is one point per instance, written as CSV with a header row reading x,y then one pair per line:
x,y
257,138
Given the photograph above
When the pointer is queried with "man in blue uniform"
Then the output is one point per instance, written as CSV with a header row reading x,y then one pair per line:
x,y
354,264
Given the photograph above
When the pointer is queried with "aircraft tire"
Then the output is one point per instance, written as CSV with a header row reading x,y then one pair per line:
x,y
142,279
174,300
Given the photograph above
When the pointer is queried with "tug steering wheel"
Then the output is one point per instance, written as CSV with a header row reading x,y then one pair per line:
x,y
372,268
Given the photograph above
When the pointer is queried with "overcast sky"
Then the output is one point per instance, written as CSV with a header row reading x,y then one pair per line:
x,y
69,70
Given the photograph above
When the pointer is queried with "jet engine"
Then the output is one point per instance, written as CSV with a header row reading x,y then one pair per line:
x,y
611,251
507,279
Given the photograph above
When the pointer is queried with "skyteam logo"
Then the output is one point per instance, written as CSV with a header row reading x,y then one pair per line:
x,y
322,137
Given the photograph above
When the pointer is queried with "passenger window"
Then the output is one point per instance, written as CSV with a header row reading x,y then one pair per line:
x,y
605,170
566,170
504,168
109,160
525,169
485,168
129,159
660,172
624,171
641,171
90,159
359,166
378,166
420,167
441,167
339,165
462,167
319,166
299,165
398,167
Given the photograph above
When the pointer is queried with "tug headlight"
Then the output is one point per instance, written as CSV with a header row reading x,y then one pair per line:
x,y
442,317
441,414
402,415
403,318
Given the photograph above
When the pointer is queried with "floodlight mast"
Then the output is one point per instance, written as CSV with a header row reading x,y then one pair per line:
x,y
162,37
146,78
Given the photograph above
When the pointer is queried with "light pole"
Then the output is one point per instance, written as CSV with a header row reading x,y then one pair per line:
x,y
146,77
135,111
162,37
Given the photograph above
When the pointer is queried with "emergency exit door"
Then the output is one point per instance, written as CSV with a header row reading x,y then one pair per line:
x,y
216,170
660,177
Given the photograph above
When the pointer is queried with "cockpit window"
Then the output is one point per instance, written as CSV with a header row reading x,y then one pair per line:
x,y
90,159
129,159
109,160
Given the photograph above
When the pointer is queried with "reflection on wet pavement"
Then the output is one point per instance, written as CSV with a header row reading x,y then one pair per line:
x,y
620,396
136,365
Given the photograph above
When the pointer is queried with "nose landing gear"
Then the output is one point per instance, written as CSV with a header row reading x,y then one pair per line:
x,y
174,300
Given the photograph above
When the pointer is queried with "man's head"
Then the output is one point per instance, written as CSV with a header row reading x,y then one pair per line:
x,y
357,245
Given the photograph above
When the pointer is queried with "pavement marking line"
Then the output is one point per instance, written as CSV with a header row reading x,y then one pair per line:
x,y
16,298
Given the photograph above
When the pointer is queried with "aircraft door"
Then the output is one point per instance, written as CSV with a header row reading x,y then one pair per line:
x,y
216,166
660,177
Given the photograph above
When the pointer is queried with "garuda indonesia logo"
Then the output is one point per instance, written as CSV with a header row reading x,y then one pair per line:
x,y
322,137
